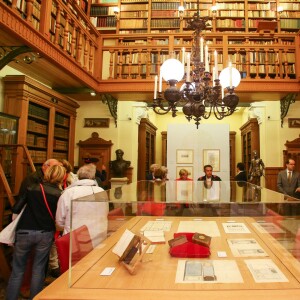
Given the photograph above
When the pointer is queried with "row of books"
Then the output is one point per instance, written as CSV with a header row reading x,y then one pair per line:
x,y
102,10
62,120
165,5
238,23
165,23
134,14
262,6
60,145
163,13
290,23
108,21
134,7
231,13
290,6
271,69
226,5
261,14
38,156
291,14
134,42
38,111
61,132
273,58
138,23
37,141
37,127
60,155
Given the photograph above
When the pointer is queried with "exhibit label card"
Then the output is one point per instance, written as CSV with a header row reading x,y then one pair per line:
x,y
267,228
245,248
160,225
265,270
235,228
208,271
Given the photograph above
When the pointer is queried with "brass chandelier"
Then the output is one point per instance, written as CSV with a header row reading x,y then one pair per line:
x,y
199,96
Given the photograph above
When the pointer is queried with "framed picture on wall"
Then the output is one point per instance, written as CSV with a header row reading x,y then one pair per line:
x,y
294,123
184,156
96,122
190,169
212,157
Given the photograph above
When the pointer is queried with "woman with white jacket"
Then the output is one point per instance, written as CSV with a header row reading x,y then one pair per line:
x,y
90,208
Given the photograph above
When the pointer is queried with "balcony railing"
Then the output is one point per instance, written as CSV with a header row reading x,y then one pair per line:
x,y
120,58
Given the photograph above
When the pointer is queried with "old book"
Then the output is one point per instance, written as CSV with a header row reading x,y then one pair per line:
x,y
177,241
201,239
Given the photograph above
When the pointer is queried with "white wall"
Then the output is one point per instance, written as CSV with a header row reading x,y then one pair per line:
x,y
207,136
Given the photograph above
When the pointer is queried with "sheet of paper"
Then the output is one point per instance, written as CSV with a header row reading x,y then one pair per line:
x,y
194,271
123,242
158,225
268,228
156,237
235,228
207,227
265,270
245,248
107,271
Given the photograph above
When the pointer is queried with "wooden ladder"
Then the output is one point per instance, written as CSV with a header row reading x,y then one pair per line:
x,y
7,194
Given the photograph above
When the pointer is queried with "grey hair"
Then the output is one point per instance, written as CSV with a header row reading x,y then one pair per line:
x,y
87,172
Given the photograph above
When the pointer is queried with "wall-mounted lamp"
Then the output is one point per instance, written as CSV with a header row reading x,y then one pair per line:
x,y
280,9
93,93
181,11
214,9
116,12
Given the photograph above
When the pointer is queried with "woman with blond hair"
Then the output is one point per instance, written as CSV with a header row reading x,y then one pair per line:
x,y
35,231
183,175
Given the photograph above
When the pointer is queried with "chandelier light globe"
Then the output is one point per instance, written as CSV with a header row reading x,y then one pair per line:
x,y
230,77
172,69
201,95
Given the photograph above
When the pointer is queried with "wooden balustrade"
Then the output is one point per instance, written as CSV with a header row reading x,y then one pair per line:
x,y
64,24
138,57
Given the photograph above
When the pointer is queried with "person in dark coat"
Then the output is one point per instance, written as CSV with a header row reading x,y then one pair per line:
x,y
241,173
288,180
208,177
35,231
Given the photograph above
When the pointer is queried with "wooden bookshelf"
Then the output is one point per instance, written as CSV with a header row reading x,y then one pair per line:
x,y
47,119
250,141
146,148
255,56
159,16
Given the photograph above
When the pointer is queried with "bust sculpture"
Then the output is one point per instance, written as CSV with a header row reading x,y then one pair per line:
x,y
119,166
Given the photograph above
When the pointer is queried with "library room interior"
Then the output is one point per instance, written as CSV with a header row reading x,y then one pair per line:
x,y
146,90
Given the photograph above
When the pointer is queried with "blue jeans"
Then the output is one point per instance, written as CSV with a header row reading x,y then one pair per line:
x,y
26,240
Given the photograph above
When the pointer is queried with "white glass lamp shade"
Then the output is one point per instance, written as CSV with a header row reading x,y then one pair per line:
x,y
230,77
172,69
180,9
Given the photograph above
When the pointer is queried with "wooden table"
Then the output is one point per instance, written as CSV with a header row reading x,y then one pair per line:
x,y
155,278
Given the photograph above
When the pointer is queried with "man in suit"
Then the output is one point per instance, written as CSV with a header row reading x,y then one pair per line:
x,y
288,180
241,174
209,177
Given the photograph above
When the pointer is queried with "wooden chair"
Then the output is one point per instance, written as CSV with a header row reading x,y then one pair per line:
x,y
81,246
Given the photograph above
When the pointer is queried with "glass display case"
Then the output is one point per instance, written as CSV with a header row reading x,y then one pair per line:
x,y
247,241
